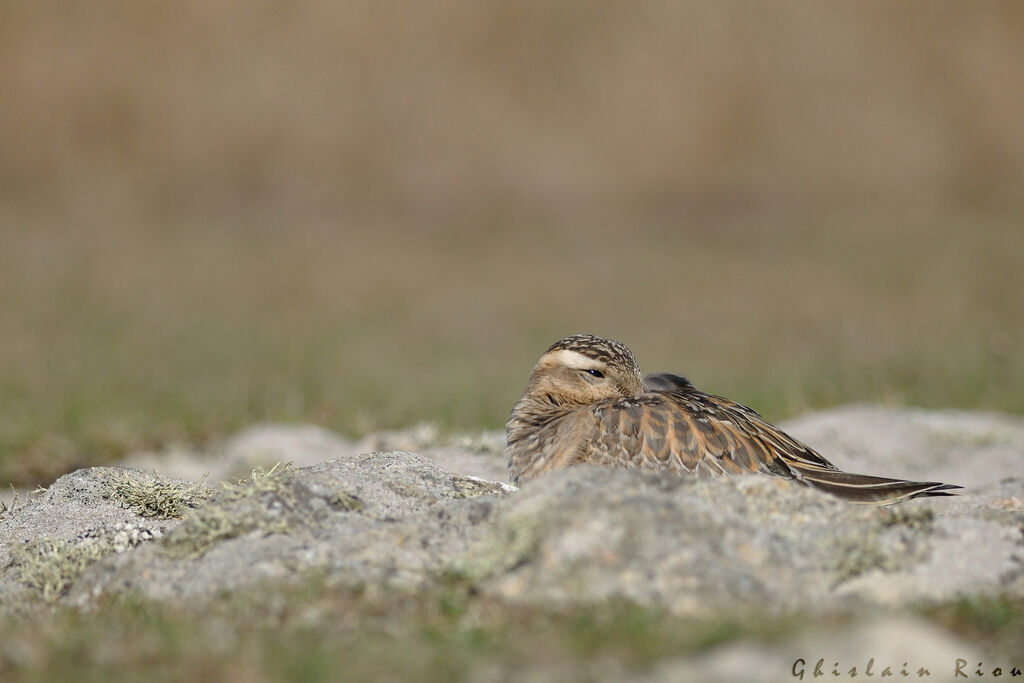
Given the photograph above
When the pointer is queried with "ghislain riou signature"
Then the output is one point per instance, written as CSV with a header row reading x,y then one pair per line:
x,y
959,668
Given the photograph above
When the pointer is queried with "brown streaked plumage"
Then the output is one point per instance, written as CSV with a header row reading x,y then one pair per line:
x,y
586,401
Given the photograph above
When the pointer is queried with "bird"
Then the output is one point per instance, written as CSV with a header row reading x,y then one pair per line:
x,y
586,401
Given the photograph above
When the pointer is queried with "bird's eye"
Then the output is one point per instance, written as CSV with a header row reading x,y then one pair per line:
x,y
595,373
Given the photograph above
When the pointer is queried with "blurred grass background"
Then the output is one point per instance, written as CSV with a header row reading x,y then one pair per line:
x,y
366,215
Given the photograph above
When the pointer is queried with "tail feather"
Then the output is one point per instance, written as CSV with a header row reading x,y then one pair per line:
x,y
863,488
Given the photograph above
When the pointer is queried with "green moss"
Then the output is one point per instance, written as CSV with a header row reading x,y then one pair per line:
x,y
860,555
227,515
471,487
49,565
261,481
890,542
907,516
510,543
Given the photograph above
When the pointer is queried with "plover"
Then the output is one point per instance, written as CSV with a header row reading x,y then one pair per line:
x,y
587,402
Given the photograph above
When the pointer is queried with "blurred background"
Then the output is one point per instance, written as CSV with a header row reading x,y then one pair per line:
x,y
367,214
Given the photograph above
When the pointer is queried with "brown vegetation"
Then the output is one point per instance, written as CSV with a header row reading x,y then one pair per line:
x,y
366,215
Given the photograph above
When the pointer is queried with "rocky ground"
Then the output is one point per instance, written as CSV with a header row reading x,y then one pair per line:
x,y
402,511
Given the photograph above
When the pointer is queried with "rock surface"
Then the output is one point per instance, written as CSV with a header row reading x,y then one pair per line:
x,y
401,519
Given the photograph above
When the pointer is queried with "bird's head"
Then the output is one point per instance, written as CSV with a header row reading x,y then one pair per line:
x,y
584,369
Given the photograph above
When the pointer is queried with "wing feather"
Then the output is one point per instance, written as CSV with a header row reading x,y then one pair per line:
x,y
683,433
655,437
675,428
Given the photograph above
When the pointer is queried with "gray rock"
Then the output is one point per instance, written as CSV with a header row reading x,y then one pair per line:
x,y
702,547
77,519
974,449
479,455
393,518
76,502
402,519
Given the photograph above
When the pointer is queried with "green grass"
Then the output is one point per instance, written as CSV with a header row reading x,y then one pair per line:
x,y
994,623
313,633
446,632
137,337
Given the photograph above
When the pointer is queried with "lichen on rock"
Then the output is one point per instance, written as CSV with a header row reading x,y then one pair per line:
x,y
153,496
582,535
50,565
229,514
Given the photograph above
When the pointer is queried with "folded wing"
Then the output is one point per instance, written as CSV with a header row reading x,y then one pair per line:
x,y
675,428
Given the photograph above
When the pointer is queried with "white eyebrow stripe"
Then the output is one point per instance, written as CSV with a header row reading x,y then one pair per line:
x,y
571,359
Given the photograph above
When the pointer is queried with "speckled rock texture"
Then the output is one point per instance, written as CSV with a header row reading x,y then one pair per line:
x,y
400,519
